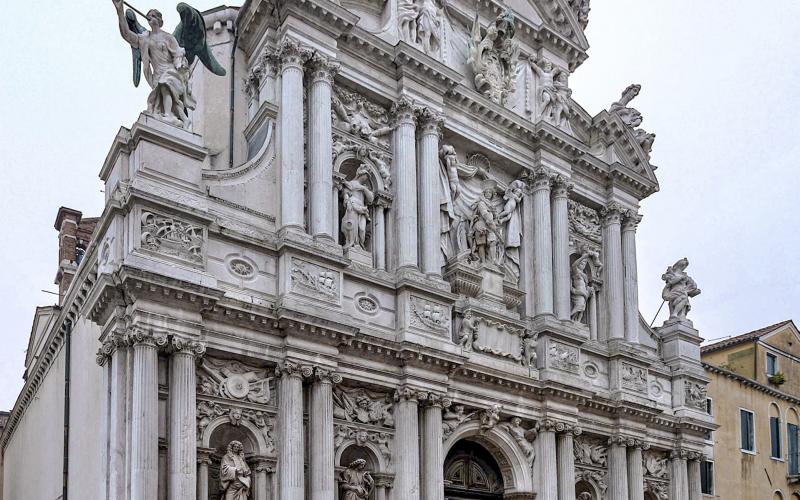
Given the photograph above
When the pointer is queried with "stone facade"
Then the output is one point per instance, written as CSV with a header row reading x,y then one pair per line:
x,y
390,258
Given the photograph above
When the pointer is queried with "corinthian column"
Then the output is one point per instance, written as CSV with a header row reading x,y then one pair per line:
x,y
290,436
635,472
618,469
612,270
320,168
679,483
406,445
405,185
117,348
430,229
292,58
432,454
631,281
203,461
566,464
183,420
546,458
560,226
695,485
542,243
144,414
321,435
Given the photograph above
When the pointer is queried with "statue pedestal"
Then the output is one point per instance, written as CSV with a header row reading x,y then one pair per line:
x,y
359,255
680,343
492,284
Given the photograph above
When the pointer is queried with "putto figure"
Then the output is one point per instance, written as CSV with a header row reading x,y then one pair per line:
x,y
234,474
356,481
678,288
167,59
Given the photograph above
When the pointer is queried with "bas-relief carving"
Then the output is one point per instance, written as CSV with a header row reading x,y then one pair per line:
x,y
529,355
524,437
563,357
355,481
695,395
234,474
207,411
314,280
357,195
235,380
355,114
468,333
420,24
490,417
453,418
679,287
633,118
171,236
655,465
593,476
426,314
493,57
584,221
590,452
633,378
167,59
344,433
362,406
367,303
553,93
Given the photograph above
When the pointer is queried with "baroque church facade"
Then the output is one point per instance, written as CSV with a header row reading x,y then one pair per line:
x,y
386,257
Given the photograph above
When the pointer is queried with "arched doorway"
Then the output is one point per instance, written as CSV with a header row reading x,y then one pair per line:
x,y
471,473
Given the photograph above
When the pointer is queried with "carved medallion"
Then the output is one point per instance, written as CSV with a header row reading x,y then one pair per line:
x,y
367,303
241,267
235,380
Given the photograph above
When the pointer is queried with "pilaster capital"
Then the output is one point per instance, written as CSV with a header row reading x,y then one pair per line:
x,y
550,424
431,399
561,186
407,393
327,376
323,68
292,54
620,440
288,368
540,179
630,220
383,199
695,455
147,338
611,213
204,455
264,464
188,346
429,120
105,351
403,111
678,454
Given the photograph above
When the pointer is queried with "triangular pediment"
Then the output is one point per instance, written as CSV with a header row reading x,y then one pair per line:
x,y
619,144
562,18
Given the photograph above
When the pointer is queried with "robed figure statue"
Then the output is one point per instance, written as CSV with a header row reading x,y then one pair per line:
x,y
234,474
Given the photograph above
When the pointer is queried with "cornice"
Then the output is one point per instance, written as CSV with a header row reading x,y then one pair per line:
x,y
748,382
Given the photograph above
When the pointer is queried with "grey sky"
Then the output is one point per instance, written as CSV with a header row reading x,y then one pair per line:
x,y
718,78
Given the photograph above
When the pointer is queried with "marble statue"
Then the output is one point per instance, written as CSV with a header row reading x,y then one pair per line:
x,y
678,288
581,288
493,57
561,111
523,437
356,482
490,417
511,217
546,93
360,117
451,419
429,27
167,59
468,334
485,233
357,196
449,190
627,114
407,12
234,474
584,496
581,8
529,356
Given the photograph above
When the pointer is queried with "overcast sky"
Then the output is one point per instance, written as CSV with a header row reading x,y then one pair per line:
x,y
719,81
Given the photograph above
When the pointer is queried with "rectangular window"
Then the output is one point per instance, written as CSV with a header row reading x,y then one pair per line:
x,y
794,449
772,364
710,411
775,437
707,477
746,429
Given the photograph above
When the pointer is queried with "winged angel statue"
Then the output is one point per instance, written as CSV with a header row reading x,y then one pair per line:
x,y
167,59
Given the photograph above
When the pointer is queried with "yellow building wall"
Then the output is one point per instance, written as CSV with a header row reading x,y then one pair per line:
x,y
787,342
739,359
740,475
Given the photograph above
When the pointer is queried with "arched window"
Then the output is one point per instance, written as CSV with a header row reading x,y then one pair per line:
x,y
793,441
470,472
777,495
775,434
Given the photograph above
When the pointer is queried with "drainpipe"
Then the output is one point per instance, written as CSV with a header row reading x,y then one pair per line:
x,y
232,95
67,364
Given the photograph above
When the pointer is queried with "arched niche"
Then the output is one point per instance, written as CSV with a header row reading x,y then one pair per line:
x,y
469,468
215,439
252,437
584,487
369,451
511,460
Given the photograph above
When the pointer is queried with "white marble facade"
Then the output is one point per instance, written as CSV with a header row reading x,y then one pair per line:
x,y
411,273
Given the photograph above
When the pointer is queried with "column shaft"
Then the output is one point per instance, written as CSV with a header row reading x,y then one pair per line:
x,y
566,467
631,280
406,441
679,483
118,417
291,447
320,171
432,454
321,440
635,473
144,422
405,172
202,479
561,269
542,245
618,472
260,483
612,273
379,238
548,469
695,485
182,427
430,223
291,136
527,280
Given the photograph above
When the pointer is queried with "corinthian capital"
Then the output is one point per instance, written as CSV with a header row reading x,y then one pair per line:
x,y
540,178
611,213
292,54
402,110
429,120
630,220
323,68
188,346
561,186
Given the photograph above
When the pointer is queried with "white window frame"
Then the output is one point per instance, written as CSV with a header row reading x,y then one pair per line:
x,y
766,363
754,451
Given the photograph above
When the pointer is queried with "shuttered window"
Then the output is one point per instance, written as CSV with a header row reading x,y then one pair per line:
x,y
794,449
746,428
775,437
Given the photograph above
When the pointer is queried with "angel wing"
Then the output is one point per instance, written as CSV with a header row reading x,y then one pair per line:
x,y
136,53
191,35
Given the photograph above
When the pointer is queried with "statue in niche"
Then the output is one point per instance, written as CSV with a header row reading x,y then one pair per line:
x,y
493,57
356,482
678,288
510,216
356,198
167,59
529,356
468,334
485,232
360,117
234,474
581,288
451,419
523,437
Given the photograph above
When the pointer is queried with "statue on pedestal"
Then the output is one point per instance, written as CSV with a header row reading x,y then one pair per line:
x,y
678,288
356,481
581,290
234,474
167,59
468,334
357,195
510,216
485,232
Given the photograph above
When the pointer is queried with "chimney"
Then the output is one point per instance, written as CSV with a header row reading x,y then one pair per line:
x,y
66,224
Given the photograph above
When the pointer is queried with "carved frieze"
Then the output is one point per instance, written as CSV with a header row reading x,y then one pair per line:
x,y
314,280
344,433
563,357
173,237
590,452
695,395
208,411
655,464
584,221
658,489
355,114
362,406
633,377
453,417
235,380
428,315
